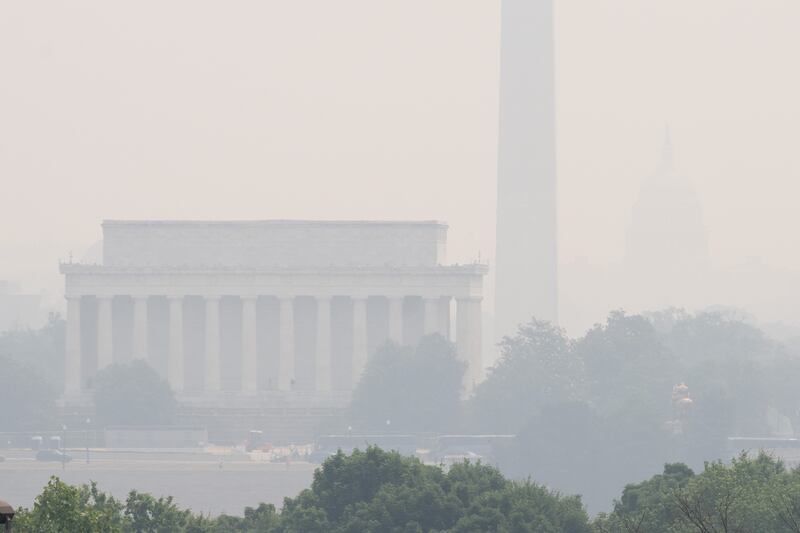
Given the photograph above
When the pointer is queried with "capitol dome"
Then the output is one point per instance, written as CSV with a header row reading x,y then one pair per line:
x,y
667,231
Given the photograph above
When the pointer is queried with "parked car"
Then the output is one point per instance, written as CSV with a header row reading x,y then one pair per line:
x,y
53,455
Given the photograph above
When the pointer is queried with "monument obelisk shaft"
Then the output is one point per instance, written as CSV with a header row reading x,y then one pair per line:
x,y
526,258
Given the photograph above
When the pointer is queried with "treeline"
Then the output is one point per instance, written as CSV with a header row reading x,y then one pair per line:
x,y
589,413
749,495
367,492
592,413
383,492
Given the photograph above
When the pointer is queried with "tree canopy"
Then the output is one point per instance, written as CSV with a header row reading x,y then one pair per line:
x,y
593,412
27,397
42,349
371,491
415,389
751,494
133,394
536,369
31,366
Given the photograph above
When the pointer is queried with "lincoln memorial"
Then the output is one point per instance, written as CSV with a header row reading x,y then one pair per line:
x,y
265,309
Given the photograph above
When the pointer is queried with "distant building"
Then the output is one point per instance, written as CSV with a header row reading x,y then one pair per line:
x,y
19,310
526,276
667,234
666,261
276,311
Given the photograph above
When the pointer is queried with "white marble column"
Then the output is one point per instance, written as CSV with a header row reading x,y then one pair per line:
x,y
249,347
431,315
72,360
140,327
469,339
323,352
286,369
396,320
444,317
175,357
359,337
212,375
105,347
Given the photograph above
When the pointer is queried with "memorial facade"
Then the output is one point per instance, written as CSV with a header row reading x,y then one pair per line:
x,y
266,308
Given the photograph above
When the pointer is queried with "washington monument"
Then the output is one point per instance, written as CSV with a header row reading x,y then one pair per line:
x,y
526,282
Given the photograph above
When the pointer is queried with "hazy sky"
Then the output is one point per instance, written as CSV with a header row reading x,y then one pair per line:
x,y
357,109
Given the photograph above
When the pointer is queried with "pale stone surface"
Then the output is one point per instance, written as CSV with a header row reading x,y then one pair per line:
x,y
469,339
393,264
249,352
175,361
72,367
359,337
396,319
286,376
140,327
444,316
105,348
526,259
212,378
273,243
431,316
323,347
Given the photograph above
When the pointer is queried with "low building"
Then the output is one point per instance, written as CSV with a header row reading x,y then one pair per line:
x,y
19,310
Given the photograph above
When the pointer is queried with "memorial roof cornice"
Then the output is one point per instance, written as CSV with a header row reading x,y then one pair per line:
x,y
81,268
274,222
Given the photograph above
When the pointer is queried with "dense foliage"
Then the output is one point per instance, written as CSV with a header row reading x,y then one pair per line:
x,y
383,492
750,495
536,370
27,397
41,349
414,389
589,413
367,492
594,412
374,491
133,394
61,508
31,366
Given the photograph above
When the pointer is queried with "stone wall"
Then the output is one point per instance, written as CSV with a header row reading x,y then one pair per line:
x,y
273,243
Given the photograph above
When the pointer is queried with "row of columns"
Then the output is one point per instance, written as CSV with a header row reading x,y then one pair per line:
x,y
436,320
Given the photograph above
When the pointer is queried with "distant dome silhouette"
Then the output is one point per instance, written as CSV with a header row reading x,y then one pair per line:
x,y
667,231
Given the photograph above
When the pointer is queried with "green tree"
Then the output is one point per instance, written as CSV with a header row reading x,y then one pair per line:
x,y
537,368
133,394
628,365
383,492
647,506
782,377
146,514
751,494
588,414
415,389
524,508
725,362
366,492
61,508
27,396
42,349
261,519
